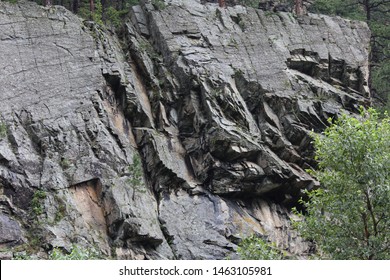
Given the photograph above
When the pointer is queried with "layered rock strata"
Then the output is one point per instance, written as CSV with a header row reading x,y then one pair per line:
x,y
178,136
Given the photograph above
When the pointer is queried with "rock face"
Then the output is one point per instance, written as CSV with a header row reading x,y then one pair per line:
x,y
176,138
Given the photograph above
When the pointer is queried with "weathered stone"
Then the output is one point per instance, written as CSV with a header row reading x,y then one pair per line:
x,y
10,232
149,145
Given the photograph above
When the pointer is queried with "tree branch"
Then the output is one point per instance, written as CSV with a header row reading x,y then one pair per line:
x,y
371,211
378,4
366,232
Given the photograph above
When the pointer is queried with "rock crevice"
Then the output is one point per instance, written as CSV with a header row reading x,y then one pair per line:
x,y
176,137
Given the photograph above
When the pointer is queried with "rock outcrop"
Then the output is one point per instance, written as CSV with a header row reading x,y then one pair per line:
x,y
175,138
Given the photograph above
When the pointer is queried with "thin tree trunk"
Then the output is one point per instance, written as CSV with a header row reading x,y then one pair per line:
x,y
75,6
92,8
298,7
372,213
222,3
104,7
367,8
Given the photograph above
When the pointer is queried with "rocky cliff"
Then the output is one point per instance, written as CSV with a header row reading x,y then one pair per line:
x,y
175,137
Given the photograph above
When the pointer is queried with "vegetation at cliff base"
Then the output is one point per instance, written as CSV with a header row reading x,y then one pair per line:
x,y
257,248
349,217
77,253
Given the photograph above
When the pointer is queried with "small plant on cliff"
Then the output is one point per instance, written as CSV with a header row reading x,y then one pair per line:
x,y
61,209
136,172
349,217
65,163
21,256
3,130
249,3
77,253
114,17
159,4
256,248
11,1
37,201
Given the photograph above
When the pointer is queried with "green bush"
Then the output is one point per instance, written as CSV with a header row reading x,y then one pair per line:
x,y
256,248
136,172
37,202
349,217
114,17
381,82
11,1
3,130
77,253
97,14
249,3
159,4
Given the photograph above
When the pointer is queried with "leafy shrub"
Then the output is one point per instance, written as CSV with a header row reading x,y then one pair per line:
x,y
136,171
349,218
159,4
256,248
77,253
3,130
37,201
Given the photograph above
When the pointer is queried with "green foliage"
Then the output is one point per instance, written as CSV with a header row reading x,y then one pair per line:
x,y
136,172
159,4
338,7
77,253
381,80
37,202
85,13
147,47
132,2
105,12
23,251
349,217
11,1
60,214
3,130
65,163
256,248
61,209
113,16
249,3
97,14
325,6
21,256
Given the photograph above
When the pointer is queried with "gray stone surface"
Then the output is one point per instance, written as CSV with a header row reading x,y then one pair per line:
x,y
180,137
245,89
66,137
10,232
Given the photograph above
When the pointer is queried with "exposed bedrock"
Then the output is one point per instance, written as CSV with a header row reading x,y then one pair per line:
x,y
176,137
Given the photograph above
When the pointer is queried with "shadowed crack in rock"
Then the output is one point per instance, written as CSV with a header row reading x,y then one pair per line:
x,y
167,140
